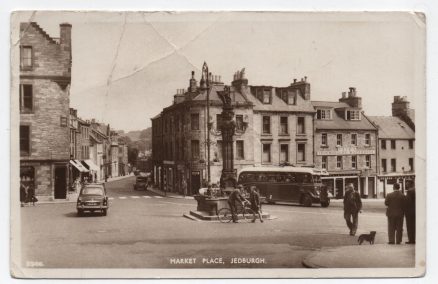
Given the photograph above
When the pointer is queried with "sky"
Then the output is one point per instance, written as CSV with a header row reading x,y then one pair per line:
x,y
127,66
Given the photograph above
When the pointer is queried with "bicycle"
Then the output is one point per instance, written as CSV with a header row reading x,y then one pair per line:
x,y
242,212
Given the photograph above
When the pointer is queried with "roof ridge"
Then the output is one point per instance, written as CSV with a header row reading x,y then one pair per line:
x,y
43,32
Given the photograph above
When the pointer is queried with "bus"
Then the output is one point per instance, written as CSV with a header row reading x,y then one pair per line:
x,y
287,184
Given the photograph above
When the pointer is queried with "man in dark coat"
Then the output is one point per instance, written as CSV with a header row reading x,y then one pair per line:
x,y
234,197
395,213
352,207
410,212
254,199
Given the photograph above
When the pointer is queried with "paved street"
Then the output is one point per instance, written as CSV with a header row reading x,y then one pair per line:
x,y
143,230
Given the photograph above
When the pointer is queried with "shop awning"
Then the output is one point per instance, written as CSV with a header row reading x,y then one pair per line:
x,y
78,166
92,165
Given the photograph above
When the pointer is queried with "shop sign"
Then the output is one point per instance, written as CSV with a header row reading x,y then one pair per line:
x,y
346,151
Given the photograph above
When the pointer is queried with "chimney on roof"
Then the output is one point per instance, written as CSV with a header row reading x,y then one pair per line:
x,y
401,108
303,87
65,37
193,83
240,82
295,80
352,100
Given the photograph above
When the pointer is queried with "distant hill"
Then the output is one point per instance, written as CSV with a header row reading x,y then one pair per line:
x,y
140,139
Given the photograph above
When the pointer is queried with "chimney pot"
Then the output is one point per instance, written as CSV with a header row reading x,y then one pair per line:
x,y
295,80
305,78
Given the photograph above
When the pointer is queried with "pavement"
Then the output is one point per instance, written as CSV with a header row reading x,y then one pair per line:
x,y
353,256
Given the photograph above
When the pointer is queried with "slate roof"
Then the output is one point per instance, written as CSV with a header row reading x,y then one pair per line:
x,y
338,122
278,105
392,127
214,96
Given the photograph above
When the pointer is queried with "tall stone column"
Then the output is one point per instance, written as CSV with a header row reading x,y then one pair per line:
x,y
228,176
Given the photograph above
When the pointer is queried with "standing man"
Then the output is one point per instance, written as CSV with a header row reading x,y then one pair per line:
x,y
184,186
410,212
236,195
352,207
254,198
395,213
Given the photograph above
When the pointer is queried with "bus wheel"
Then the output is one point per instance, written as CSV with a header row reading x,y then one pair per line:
x,y
270,202
325,204
306,200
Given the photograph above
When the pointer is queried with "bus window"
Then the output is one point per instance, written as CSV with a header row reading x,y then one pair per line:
x,y
303,178
273,177
316,179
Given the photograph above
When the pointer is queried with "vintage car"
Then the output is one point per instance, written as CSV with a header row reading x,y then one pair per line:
x,y
93,198
141,181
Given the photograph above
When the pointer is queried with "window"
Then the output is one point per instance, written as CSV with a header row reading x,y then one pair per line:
x,y
353,115
239,123
368,161
24,139
266,96
301,152
339,139
283,125
323,114
301,126
26,57
195,149
219,150
354,162
411,164
367,139
411,144
354,139
194,118
284,153
393,165
240,153
266,124
384,169
26,98
324,162
290,98
218,122
266,156
324,139
339,162
392,144
383,144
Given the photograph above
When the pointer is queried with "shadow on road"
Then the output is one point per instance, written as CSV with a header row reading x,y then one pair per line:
x,y
84,215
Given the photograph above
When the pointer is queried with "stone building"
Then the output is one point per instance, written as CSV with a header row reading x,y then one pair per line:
x,y
179,136
273,126
396,150
45,76
345,143
99,148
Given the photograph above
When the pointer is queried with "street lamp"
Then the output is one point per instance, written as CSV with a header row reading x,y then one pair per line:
x,y
208,74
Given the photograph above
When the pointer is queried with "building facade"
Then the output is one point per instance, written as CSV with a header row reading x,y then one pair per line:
x,y
45,76
273,126
346,145
396,147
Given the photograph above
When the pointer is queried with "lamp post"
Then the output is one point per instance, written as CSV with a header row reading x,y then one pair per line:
x,y
207,74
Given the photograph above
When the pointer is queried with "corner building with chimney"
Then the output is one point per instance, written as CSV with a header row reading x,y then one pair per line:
x,y
45,76
273,126
346,145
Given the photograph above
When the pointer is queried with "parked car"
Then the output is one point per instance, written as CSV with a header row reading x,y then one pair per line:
x,y
92,197
141,182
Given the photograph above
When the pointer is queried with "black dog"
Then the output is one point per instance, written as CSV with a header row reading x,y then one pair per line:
x,y
367,237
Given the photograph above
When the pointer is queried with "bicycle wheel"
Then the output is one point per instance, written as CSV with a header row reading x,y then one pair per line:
x,y
224,215
248,215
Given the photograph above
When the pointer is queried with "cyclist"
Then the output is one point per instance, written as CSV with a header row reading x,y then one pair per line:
x,y
254,199
236,195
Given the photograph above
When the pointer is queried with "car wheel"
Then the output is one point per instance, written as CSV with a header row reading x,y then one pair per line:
x,y
306,200
325,204
80,212
104,212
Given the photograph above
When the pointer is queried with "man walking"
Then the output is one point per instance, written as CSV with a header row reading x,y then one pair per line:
x,y
235,196
352,207
410,212
395,213
254,199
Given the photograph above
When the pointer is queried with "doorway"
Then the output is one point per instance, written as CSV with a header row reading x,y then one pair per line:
x,y
60,183
196,182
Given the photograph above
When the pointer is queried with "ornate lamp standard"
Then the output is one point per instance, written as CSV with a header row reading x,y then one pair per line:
x,y
207,75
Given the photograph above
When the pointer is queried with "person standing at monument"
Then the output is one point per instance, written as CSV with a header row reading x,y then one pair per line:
x,y
254,198
235,196
410,212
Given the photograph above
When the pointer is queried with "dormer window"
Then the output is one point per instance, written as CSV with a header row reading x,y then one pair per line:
x,y
352,115
324,114
288,96
264,95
